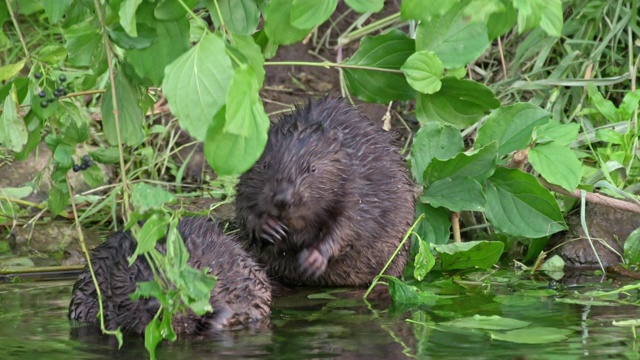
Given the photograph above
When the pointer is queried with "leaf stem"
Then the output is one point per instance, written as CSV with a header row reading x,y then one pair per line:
x,y
14,20
328,65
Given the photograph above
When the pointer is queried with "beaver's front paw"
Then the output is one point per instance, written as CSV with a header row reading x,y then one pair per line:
x,y
312,263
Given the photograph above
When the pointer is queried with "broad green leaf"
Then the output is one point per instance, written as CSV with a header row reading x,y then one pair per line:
x,y
409,294
52,54
147,289
478,164
177,254
460,103
152,337
63,156
131,115
561,134
165,326
171,42
423,70
84,44
551,19
241,17
424,261
364,6
173,10
435,228
455,39
499,23
34,138
604,106
196,84
481,10
536,335
424,10
58,198
128,16
146,197
246,51
555,263
234,154
74,124
518,205
277,24
456,194
55,9
511,126
43,113
154,229
493,322
11,70
307,14
106,156
387,51
529,13
468,255
433,141
146,35
629,104
557,164
93,176
13,131
242,95
632,248
17,193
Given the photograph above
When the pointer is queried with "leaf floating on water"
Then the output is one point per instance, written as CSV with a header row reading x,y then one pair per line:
x,y
538,335
494,322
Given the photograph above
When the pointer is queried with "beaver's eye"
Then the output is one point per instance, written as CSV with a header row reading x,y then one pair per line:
x,y
132,277
265,165
312,168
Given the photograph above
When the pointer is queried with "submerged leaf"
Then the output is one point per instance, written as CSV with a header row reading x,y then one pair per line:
x,y
536,335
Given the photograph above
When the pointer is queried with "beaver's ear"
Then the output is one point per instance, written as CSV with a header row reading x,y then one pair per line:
x,y
335,140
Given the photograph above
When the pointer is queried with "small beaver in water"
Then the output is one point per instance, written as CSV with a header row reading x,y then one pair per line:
x,y
242,295
329,200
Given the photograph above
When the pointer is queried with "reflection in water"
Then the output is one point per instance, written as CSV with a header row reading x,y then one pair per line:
x,y
33,324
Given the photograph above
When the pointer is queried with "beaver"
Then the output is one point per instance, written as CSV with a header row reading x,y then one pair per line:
x,y
241,297
329,200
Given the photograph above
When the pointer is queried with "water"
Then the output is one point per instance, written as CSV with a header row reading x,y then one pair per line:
x,y
310,325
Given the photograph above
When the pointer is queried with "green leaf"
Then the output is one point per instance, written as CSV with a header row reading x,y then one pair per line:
x,y
307,14
93,176
106,156
75,127
152,337
424,10
557,164
604,106
432,141
471,254
242,95
511,126
11,70
153,230
84,44
128,16
43,113
13,131
561,134
147,289
409,294
173,10
529,13
131,115
63,156
537,335
478,164
518,205
423,70
234,154
493,322
171,42
196,84
58,198
499,23
455,39
241,17
436,228
55,10
364,6
146,197
632,248
456,194
629,104
551,19
387,51
52,54
424,261
460,103
246,51
277,24
146,35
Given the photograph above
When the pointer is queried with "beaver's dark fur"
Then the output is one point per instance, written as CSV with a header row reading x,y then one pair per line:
x,y
242,295
329,201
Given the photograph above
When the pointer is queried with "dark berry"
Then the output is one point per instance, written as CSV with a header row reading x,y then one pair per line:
x,y
89,163
83,166
62,78
38,75
42,94
57,93
86,159
76,168
61,88
44,103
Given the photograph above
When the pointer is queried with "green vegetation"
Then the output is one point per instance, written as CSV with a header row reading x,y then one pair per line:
x,y
515,99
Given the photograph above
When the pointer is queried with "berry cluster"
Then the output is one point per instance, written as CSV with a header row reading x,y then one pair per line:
x,y
59,91
85,163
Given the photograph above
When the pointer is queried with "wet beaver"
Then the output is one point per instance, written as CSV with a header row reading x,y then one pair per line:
x,y
242,295
329,200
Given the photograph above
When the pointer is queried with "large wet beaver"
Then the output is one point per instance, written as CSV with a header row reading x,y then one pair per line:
x,y
241,297
329,200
